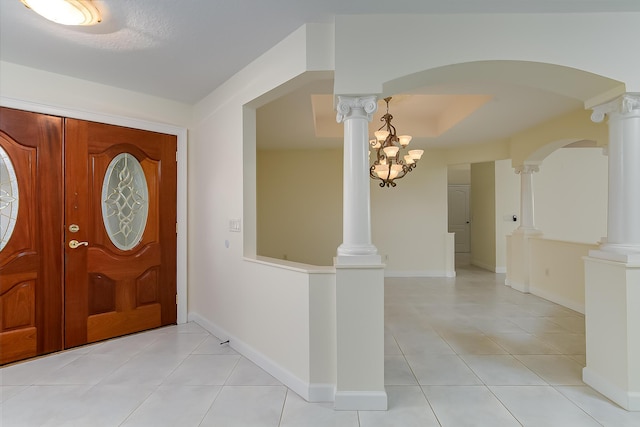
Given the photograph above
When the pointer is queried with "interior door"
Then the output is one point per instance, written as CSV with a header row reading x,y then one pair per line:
x,y
459,222
31,237
120,231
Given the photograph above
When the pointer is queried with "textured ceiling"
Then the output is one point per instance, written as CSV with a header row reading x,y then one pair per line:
x,y
183,49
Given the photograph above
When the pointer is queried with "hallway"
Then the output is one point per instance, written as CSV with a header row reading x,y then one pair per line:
x,y
463,351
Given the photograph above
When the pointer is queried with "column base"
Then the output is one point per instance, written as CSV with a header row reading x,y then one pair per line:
x,y
357,250
612,295
617,252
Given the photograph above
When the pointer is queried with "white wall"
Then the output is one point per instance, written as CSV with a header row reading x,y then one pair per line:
x,y
63,92
262,307
507,185
424,42
570,193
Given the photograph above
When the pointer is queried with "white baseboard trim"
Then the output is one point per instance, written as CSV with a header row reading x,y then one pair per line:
x,y
483,265
550,296
524,288
419,273
629,400
360,401
501,270
309,391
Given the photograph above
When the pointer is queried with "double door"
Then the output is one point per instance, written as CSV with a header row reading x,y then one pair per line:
x,y
88,232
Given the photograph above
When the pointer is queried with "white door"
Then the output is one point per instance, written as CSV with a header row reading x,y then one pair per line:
x,y
459,222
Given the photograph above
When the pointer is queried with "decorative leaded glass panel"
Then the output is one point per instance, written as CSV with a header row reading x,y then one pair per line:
x,y
8,198
125,201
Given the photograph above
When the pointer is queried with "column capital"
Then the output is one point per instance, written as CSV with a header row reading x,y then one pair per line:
x,y
624,104
350,107
527,168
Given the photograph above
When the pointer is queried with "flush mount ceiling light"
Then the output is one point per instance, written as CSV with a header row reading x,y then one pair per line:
x,y
388,165
66,12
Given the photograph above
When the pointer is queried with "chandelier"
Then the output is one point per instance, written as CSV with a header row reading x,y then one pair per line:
x,y
388,165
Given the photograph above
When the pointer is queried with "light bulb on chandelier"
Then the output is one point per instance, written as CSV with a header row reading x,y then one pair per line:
x,y
388,165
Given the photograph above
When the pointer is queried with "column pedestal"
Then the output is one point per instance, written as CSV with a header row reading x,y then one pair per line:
x,y
612,298
360,338
359,273
612,273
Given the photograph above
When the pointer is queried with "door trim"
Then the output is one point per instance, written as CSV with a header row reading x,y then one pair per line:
x,y
181,196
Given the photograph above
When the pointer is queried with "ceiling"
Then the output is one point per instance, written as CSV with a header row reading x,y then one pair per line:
x,y
183,49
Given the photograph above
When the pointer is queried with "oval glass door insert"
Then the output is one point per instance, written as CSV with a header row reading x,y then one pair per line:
x,y
125,205
8,198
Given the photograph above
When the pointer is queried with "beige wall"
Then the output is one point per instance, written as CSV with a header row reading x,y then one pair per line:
x,y
557,271
571,195
299,200
483,215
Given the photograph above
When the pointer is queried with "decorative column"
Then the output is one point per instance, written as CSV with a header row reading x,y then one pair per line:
x,y
526,171
623,213
356,113
518,254
359,273
612,273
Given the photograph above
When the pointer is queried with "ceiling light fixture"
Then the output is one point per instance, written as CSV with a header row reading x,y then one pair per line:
x,y
388,165
66,12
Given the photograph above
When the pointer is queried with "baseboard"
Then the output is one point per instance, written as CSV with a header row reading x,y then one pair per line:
x,y
360,401
522,287
484,266
628,400
309,391
419,273
550,296
500,270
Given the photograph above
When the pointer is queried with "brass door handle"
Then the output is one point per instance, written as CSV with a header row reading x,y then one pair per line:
x,y
73,244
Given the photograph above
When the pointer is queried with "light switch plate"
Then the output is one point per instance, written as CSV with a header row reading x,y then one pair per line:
x,y
234,225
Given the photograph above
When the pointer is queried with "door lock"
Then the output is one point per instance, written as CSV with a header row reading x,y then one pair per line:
x,y
73,244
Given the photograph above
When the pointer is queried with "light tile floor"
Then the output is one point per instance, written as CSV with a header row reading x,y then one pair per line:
x,y
459,352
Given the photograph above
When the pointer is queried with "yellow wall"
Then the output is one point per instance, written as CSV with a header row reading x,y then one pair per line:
x,y
299,204
483,215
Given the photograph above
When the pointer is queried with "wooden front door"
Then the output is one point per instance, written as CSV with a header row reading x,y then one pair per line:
x,y
31,220
120,231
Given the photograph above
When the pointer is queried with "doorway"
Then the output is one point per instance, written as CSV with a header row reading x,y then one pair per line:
x,y
88,232
459,219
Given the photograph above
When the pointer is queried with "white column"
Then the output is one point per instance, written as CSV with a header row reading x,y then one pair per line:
x,y
356,113
623,214
612,273
359,273
527,209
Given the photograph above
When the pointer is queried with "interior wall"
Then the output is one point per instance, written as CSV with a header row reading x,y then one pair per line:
x,y
483,215
262,308
459,174
507,194
50,89
299,205
570,193
409,222
419,43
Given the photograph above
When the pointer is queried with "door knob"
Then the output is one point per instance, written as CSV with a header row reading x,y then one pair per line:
x,y
75,244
